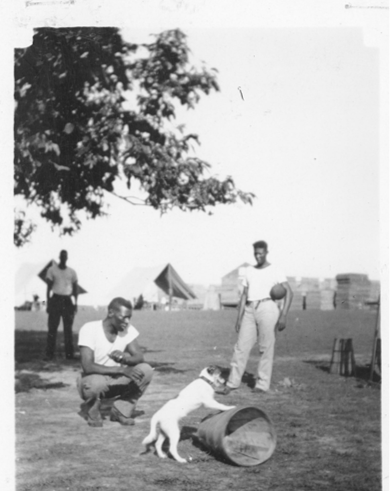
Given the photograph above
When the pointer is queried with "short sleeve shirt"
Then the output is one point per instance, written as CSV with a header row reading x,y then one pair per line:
x,y
63,279
93,336
261,280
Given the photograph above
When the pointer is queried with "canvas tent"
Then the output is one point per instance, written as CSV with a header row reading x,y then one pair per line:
x,y
30,280
27,284
154,284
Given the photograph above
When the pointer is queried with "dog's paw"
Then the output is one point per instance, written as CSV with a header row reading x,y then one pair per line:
x,y
182,461
162,455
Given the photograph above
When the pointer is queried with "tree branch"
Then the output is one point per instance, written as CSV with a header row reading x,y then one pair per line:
x,y
128,199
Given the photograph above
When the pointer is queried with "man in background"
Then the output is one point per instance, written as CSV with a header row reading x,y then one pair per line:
x,y
61,287
258,320
113,365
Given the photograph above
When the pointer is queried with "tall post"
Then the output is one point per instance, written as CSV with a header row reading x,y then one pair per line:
x,y
169,290
375,340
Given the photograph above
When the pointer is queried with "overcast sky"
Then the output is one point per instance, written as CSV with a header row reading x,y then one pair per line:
x,y
305,140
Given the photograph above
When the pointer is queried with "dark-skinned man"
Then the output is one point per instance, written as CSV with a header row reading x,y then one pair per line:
x,y
61,283
113,365
259,318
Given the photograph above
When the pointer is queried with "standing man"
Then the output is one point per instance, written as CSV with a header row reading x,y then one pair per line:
x,y
113,365
258,318
61,286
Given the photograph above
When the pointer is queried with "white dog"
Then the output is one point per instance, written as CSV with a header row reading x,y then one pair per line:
x,y
198,393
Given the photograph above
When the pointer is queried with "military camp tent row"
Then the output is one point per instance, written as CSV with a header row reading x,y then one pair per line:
x,y
162,286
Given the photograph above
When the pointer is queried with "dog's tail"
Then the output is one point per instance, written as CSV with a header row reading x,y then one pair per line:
x,y
153,433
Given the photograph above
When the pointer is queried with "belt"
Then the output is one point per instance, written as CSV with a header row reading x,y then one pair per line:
x,y
255,303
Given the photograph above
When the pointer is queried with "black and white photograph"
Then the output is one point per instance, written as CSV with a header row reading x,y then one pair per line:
x,y
198,279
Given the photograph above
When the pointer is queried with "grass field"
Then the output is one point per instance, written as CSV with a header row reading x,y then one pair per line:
x,y
328,426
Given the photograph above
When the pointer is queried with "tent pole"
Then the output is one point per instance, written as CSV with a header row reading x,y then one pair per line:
x,y
169,290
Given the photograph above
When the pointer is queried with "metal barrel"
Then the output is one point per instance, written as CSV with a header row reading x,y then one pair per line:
x,y
245,435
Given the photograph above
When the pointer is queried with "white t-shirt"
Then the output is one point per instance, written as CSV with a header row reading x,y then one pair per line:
x,y
63,279
260,281
93,336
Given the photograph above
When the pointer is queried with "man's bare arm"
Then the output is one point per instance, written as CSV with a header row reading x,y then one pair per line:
x,y
89,366
49,286
131,356
74,293
242,305
281,323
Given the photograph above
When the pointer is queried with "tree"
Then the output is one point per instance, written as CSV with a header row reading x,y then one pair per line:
x,y
93,111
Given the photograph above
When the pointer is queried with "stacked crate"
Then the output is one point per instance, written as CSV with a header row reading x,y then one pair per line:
x,y
328,287
327,299
353,290
229,290
374,291
308,287
297,301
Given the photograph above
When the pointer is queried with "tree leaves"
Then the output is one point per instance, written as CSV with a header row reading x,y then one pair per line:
x,y
78,133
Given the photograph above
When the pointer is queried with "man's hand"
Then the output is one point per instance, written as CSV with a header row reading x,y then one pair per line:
x,y
281,323
117,355
134,374
75,309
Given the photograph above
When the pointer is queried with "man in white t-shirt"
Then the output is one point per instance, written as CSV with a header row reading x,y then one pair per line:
x,y
61,287
113,365
258,318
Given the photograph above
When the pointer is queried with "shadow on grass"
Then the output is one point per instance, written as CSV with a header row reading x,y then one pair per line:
x,y
146,350
105,409
30,350
26,381
166,368
247,379
187,433
362,372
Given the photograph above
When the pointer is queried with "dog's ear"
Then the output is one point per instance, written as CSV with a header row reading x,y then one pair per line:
x,y
211,369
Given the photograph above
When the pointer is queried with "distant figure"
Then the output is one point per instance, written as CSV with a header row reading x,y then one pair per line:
x,y
304,300
258,317
139,303
113,365
36,305
61,287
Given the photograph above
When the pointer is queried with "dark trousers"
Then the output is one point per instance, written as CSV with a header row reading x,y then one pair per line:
x,y
60,306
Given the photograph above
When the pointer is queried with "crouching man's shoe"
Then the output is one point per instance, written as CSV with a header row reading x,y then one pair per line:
x,y
116,415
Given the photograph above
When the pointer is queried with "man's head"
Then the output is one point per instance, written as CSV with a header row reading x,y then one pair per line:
x,y
260,252
120,313
63,255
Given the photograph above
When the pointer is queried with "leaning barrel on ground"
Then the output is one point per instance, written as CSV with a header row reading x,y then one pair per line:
x,y
244,435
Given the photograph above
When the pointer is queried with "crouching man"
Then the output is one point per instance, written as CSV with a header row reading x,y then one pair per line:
x,y
113,365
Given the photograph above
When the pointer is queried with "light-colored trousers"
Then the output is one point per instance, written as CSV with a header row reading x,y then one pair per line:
x,y
96,386
257,323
